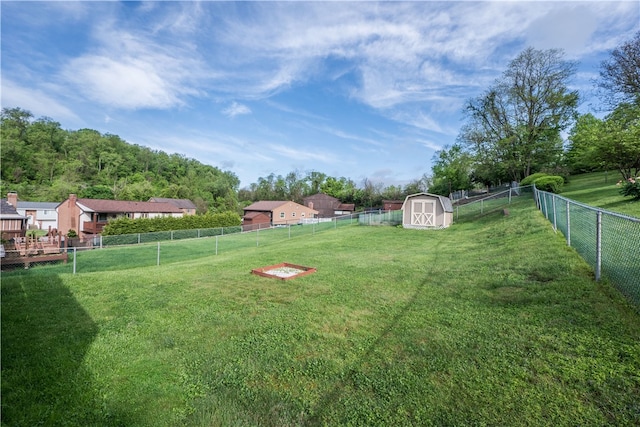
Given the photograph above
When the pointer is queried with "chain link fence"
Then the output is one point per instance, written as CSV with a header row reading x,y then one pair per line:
x,y
469,210
381,218
608,241
147,249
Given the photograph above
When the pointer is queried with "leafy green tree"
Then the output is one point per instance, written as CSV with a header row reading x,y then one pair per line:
x,y
582,155
452,168
517,122
619,143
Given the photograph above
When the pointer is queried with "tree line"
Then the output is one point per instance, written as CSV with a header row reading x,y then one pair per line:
x,y
512,130
43,162
515,128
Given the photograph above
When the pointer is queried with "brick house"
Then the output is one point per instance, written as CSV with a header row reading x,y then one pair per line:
x,y
89,216
271,212
327,206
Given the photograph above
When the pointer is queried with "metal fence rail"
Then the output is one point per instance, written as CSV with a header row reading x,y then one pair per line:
x,y
471,210
148,249
608,241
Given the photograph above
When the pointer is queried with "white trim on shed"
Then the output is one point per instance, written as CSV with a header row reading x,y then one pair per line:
x,y
425,210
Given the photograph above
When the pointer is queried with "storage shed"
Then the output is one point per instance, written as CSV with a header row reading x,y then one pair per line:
x,y
424,210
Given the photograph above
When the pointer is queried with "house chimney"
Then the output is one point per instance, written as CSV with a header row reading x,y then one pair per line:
x,y
310,205
72,200
12,199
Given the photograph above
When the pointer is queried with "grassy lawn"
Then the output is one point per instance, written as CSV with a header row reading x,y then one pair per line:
x,y
599,189
490,322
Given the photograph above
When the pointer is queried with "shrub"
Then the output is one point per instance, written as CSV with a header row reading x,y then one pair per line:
x,y
72,233
532,178
551,183
152,225
630,188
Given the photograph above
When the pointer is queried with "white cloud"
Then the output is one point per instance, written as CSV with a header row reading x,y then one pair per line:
x,y
131,71
39,103
236,109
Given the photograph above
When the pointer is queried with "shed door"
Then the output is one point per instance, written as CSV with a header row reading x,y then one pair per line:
x,y
423,213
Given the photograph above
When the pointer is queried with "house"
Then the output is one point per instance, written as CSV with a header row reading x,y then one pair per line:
x,y
392,205
424,210
12,224
271,212
327,206
89,216
186,205
40,215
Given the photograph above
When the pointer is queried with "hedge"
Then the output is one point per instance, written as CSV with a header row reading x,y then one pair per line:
x,y
168,223
551,183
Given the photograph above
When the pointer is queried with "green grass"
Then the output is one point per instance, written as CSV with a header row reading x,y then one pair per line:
x,y
599,189
490,322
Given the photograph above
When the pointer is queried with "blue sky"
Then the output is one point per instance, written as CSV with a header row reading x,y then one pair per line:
x,y
361,90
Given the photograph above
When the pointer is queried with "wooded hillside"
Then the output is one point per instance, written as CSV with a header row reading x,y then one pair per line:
x,y
43,162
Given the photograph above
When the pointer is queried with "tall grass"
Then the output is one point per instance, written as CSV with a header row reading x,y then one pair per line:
x,y
491,322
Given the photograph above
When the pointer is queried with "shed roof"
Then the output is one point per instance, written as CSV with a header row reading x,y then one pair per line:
x,y
122,206
445,201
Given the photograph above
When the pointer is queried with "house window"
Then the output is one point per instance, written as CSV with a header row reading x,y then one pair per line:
x,y
293,214
102,217
281,214
46,212
302,214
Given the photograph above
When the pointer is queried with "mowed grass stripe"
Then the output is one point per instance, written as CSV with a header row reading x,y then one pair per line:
x,y
493,322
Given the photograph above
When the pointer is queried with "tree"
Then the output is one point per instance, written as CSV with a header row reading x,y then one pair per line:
x,y
581,153
620,74
618,144
517,122
451,170
420,185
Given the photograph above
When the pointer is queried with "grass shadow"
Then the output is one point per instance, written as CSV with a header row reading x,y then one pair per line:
x,y
45,336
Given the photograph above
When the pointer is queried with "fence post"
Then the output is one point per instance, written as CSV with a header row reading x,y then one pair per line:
x,y
198,233
216,245
171,234
568,225
258,236
101,241
74,259
158,262
555,224
482,206
138,238
509,195
598,245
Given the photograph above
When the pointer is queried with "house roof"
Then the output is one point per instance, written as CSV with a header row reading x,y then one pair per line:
x,y
265,205
254,214
346,207
7,211
320,196
37,205
181,203
121,206
445,201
